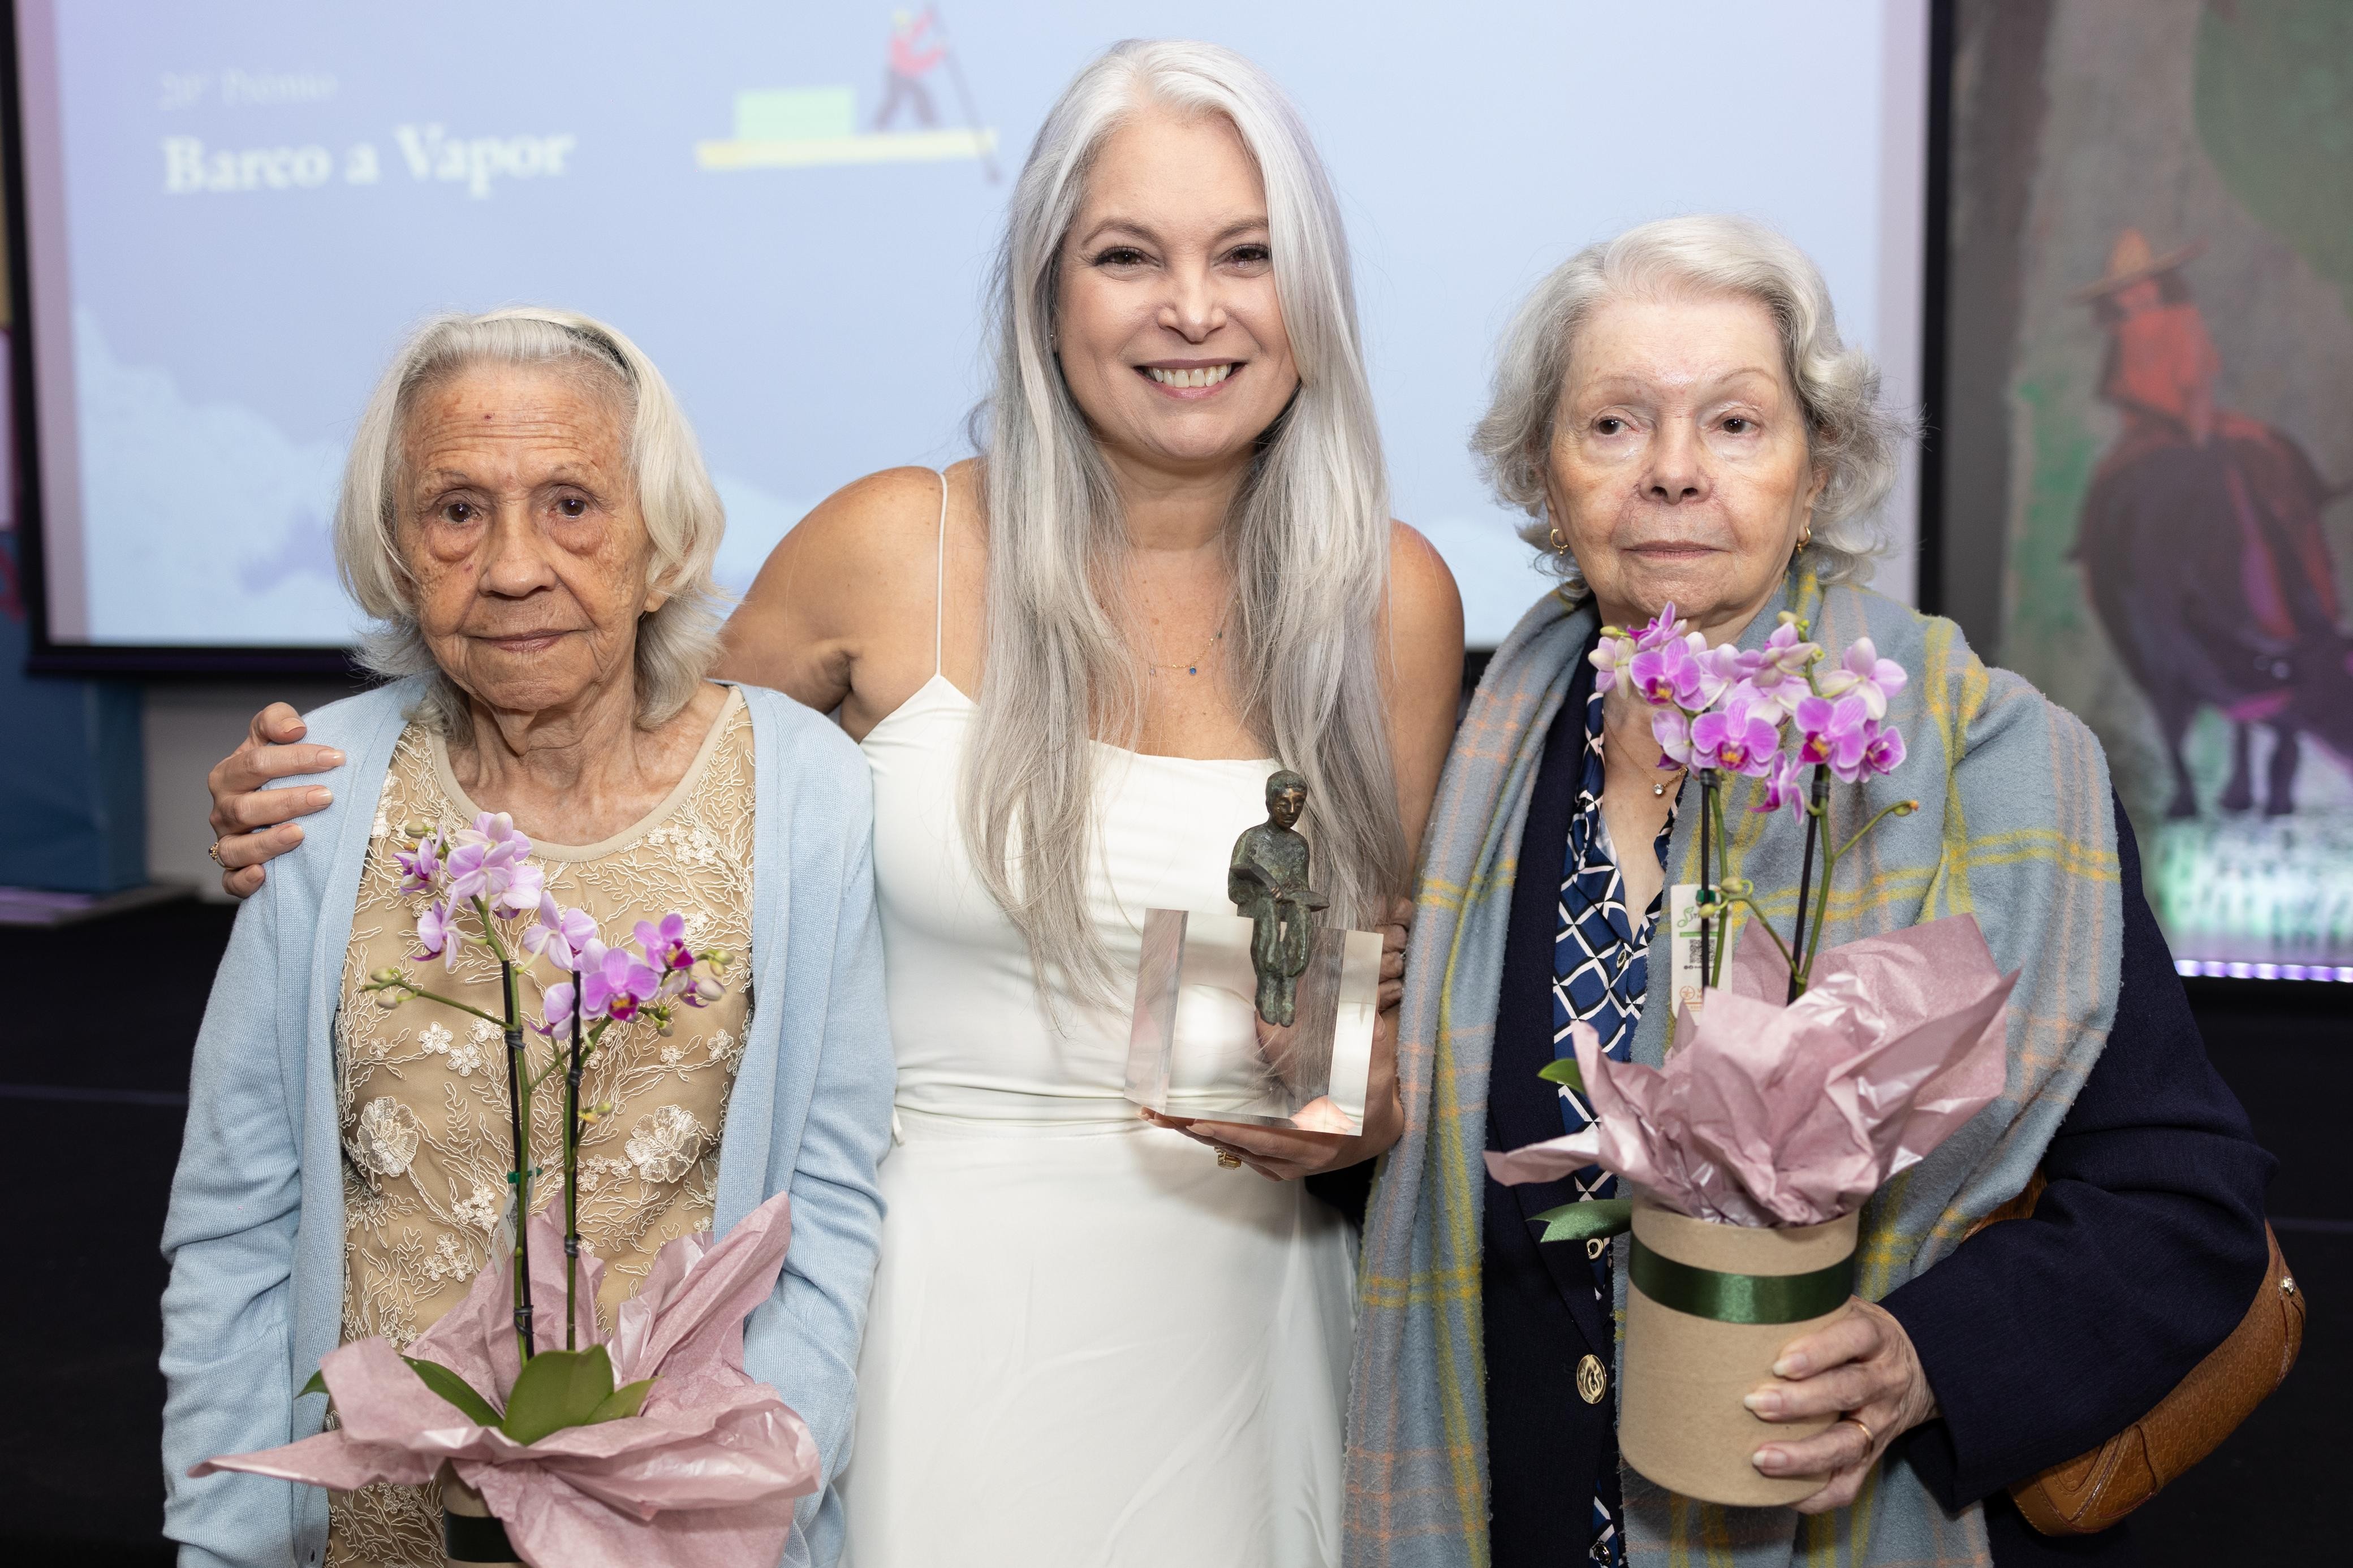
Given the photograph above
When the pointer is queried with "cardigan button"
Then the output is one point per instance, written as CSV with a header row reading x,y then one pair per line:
x,y
1592,1382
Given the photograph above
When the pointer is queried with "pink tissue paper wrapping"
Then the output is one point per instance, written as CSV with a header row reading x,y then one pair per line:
x,y
1774,1115
703,1477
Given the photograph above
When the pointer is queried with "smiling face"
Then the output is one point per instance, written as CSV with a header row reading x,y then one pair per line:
x,y
519,521
1679,468
1167,323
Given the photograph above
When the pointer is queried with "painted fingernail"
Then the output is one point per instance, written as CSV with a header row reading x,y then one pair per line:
x,y
1765,1402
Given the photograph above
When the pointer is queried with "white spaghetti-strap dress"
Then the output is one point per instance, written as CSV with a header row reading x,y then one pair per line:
x,y
1089,1343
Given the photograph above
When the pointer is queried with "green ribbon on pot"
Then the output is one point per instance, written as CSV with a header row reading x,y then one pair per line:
x,y
1741,1297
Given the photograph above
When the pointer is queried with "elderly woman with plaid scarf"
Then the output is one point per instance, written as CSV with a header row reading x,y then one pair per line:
x,y
1675,411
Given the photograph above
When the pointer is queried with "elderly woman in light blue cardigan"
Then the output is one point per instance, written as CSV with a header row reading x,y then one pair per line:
x,y
526,519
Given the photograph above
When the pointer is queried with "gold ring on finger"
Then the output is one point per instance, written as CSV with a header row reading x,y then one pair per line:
x,y
212,849
1228,1159
1869,1442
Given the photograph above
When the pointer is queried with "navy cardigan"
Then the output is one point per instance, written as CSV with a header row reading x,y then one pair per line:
x,y
2041,1338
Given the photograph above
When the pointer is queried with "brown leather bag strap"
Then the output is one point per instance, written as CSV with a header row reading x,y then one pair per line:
x,y
2094,1490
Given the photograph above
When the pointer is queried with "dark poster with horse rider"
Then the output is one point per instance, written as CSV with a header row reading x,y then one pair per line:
x,y
2180,372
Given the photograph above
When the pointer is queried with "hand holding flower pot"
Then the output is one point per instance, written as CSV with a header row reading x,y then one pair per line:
x,y
1803,1082
480,1400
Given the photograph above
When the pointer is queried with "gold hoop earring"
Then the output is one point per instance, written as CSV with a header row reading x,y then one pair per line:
x,y
1806,536
1552,537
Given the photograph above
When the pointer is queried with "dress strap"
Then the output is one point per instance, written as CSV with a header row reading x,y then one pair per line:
x,y
940,581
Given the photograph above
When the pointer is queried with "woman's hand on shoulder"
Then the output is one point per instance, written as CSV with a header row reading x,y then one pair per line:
x,y
842,611
241,805
1421,671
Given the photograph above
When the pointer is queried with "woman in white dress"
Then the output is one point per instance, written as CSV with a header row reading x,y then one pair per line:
x,y
1071,664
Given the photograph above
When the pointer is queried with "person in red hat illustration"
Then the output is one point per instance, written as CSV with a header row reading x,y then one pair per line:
x,y
2201,542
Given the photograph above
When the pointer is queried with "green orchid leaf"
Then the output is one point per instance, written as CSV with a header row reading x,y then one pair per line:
x,y
623,1402
558,1389
318,1384
1585,1221
455,1389
1563,1070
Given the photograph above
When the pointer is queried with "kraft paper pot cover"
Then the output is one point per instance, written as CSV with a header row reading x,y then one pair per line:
x,y
1732,1296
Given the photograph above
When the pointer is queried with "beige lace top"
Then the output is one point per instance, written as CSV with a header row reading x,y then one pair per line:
x,y
423,1087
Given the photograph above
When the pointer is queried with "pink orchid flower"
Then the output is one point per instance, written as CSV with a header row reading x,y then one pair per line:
x,y
1882,751
523,892
1831,732
1866,675
665,945
619,986
1741,737
483,858
1612,655
1662,630
1784,787
558,935
419,866
1672,732
438,935
1778,670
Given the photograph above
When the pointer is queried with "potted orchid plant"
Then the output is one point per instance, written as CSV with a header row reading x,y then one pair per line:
x,y
1807,1080
589,1464
1773,714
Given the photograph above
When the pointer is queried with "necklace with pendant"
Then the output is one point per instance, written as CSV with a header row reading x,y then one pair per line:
x,y
1659,787
1192,666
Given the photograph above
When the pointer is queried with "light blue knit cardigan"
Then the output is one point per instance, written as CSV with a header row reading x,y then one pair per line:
x,y
255,1235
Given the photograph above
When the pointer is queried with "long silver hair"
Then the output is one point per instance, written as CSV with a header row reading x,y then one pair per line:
x,y
678,642
1308,535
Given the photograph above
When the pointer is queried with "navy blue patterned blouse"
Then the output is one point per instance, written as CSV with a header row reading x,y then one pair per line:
x,y
1601,971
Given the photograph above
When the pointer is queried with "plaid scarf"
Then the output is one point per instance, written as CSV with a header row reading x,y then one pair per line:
x,y
2014,827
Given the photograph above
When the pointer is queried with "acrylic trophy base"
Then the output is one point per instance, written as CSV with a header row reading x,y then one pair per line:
x,y
1197,1048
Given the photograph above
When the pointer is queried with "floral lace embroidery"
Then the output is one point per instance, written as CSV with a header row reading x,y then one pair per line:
x,y
423,1091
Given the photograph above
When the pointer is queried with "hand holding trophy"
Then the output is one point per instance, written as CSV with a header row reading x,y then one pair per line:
x,y
1263,1017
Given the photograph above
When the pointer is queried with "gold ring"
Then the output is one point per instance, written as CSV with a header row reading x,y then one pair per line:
x,y
1228,1159
212,849
1869,1442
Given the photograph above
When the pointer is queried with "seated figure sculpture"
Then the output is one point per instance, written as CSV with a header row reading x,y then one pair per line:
x,y
1267,880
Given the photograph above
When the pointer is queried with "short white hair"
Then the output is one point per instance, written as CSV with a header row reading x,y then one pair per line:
x,y
1854,441
678,642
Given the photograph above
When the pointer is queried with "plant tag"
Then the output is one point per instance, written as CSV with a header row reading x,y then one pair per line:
x,y
1682,940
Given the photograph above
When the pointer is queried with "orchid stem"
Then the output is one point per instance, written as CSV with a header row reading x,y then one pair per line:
x,y
1815,807
1706,873
572,1175
1900,809
518,1115
447,1002
1765,926
491,931
1713,975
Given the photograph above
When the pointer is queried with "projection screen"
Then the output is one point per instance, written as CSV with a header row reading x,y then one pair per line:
x,y
231,211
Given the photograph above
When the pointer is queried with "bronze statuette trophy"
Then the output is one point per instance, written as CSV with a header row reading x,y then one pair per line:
x,y
1264,1014
1267,880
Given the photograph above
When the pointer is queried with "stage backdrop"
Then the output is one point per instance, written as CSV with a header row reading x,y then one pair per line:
x,y
238,205
2153,228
